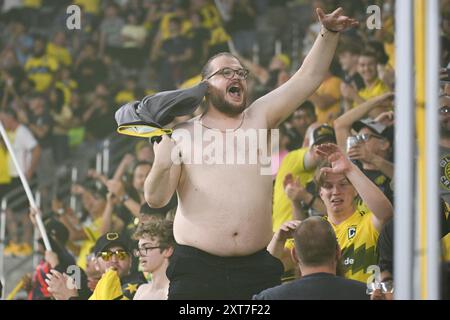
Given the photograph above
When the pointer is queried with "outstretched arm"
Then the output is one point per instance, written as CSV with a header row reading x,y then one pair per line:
x,y
281,102
372,196
343,124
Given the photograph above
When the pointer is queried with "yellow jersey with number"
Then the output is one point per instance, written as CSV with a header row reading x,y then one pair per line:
x,y
357,238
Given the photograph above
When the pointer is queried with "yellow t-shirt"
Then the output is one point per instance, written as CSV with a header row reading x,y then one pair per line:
x,y
292,163
357,238
61,54
376,89
4,167
331,87
40,71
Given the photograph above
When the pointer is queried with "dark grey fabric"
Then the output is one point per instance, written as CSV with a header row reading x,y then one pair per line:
x,y
317,286
159,109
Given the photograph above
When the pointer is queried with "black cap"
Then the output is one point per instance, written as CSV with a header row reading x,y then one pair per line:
x,y
110,239
323,134
57,230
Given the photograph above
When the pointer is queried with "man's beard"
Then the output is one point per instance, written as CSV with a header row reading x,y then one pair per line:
x,y
219,102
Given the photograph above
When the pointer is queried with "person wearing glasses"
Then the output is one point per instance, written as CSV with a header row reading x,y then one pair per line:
x,y
223,222
373,147
155,247
114,261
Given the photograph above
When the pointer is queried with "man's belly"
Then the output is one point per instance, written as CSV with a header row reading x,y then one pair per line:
x,y
224,210
230,234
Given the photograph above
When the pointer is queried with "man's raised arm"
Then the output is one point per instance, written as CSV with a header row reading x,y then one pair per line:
x,y
163,178
284,100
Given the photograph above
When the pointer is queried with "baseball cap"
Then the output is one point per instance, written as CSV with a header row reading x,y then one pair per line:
x,y
376,127
108,240
322,134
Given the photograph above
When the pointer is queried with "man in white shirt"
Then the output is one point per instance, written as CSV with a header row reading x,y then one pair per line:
x,y
27,152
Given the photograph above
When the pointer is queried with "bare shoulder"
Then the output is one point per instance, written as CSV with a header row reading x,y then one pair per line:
x,y
140,293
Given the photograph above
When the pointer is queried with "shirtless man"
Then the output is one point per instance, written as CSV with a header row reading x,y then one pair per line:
x,y
154,249
223,222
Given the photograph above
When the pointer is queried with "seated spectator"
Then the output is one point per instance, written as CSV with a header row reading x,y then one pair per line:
x,y
57,49
155,246
339,182
58,259
348,55
40,67
27,152
89,69
114,263
133,35
374,86
317,253
327,99
374,149
110,40
294,193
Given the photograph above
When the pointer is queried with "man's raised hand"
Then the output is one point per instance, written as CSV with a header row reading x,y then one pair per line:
x,y
335,21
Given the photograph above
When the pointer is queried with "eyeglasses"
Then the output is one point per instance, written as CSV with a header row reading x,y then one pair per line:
x,y
384,287
366,136
444,109
107,255
143,251
229,73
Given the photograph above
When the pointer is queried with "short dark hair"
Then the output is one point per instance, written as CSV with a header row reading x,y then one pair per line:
x,y
315,242
161,229
141,163
309,108
348,46
369,53
206,70
10,112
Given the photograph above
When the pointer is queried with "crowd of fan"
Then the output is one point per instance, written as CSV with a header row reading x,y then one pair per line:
x,y
58,90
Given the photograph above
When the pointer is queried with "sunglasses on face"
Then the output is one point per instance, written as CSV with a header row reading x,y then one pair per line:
x,y
107,255
366,136
384,287
143,251
229,73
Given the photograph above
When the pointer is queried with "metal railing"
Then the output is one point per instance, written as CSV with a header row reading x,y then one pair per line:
x,y
66,174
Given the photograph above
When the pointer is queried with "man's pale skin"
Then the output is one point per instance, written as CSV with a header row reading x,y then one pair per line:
x,y
225,210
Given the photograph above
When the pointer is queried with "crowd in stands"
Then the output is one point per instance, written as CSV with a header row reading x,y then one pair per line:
x,y
59,90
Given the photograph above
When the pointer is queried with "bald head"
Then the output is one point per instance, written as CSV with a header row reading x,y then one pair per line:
x,y
315,242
